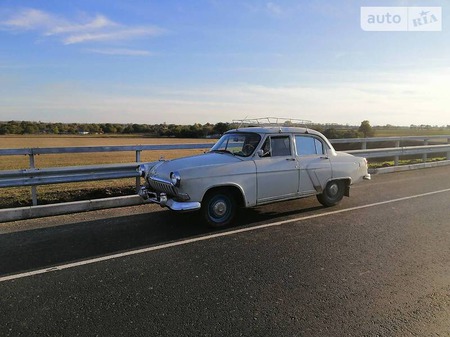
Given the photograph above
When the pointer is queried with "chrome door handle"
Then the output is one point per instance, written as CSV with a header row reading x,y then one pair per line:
x,y
290,159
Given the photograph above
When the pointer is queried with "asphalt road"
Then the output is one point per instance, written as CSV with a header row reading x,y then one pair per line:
x,y
376,265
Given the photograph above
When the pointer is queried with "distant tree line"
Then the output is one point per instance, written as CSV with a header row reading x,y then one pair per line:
x,y
331,131
157,130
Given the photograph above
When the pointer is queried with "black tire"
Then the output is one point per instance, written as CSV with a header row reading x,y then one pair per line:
x,y
219,208
332,194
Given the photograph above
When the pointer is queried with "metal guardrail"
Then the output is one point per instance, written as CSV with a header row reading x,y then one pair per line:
x,y
402,151
71,174
44,176
87,149
77,171
396,140
397,152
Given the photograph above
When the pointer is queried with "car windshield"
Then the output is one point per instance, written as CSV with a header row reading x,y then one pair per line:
x,y
239,144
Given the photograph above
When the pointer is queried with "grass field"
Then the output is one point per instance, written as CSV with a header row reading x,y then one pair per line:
x,y
22,162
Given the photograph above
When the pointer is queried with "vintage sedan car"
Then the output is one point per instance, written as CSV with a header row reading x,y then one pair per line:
x,y
253,166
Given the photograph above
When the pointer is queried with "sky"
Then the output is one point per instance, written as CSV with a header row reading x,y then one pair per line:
x,y
200,61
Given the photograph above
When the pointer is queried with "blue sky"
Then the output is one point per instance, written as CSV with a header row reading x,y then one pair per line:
x,y
214,60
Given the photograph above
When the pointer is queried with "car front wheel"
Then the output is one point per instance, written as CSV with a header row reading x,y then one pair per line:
x,y
332,194
218,208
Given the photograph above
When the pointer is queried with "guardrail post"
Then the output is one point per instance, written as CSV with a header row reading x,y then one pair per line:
x,y
33,188
138,179
397,144
364,145
424,156
448,153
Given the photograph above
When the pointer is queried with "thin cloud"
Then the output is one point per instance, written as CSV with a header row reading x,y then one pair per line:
x,y
97,23
383,98
122,33
121,52
95,29
274,9
271,8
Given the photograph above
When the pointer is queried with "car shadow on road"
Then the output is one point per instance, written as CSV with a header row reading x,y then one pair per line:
x,y
260,215
47,247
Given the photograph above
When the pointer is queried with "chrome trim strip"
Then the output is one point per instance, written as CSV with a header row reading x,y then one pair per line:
x,y
183,206
160,180
179,206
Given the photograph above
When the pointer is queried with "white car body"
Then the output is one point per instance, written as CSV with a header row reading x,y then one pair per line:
x,y
253,166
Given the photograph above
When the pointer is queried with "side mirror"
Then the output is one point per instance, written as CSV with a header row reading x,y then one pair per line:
x,y
260,152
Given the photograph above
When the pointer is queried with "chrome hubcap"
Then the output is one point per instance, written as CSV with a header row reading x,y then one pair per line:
x,y
220,208
333,189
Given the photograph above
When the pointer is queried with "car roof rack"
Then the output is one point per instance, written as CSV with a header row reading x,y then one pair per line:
x,y
271,121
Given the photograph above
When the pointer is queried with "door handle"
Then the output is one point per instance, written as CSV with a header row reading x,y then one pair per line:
x,y
324,157
290,159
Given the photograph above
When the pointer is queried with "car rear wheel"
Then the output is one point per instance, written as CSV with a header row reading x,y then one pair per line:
x,y
219,208
332,194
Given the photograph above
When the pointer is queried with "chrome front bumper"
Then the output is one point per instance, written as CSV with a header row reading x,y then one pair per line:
x,y
163,201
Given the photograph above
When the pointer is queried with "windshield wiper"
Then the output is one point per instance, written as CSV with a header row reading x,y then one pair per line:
x,y
222,151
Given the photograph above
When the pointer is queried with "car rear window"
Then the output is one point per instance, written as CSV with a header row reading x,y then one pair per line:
x,y
308,146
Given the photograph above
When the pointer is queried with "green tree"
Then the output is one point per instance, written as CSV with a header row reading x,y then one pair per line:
x,y
221,128
366,129
31,128
109,128
331,133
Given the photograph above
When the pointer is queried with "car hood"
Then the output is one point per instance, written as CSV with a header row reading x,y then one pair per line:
x,y
202,161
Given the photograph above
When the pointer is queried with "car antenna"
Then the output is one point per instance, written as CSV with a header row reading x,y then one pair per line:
x,y
242,122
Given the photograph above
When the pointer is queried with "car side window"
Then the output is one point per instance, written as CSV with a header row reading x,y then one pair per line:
x,y
307,145
266,148
281,146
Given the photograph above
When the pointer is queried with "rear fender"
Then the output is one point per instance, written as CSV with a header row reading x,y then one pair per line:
x,y
347,189
347,182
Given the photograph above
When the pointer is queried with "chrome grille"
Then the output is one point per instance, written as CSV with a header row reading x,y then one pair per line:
x,y
162,186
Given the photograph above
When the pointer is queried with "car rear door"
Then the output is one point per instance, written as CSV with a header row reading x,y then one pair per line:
x,y
314,164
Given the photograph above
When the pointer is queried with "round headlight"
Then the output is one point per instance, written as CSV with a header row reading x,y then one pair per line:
x,y
175,178
142,171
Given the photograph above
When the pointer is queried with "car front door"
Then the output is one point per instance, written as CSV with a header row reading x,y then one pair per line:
x,y
277,171
314,164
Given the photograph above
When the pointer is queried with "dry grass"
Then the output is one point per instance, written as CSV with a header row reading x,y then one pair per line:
x,y
15,197
57,160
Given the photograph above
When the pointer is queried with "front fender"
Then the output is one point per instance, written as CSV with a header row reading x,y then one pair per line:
x,y
145,168
241,176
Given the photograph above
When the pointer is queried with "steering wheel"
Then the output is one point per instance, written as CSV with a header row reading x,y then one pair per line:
x,y
248,149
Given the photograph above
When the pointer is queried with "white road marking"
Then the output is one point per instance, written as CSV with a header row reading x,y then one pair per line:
x,y
207,237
